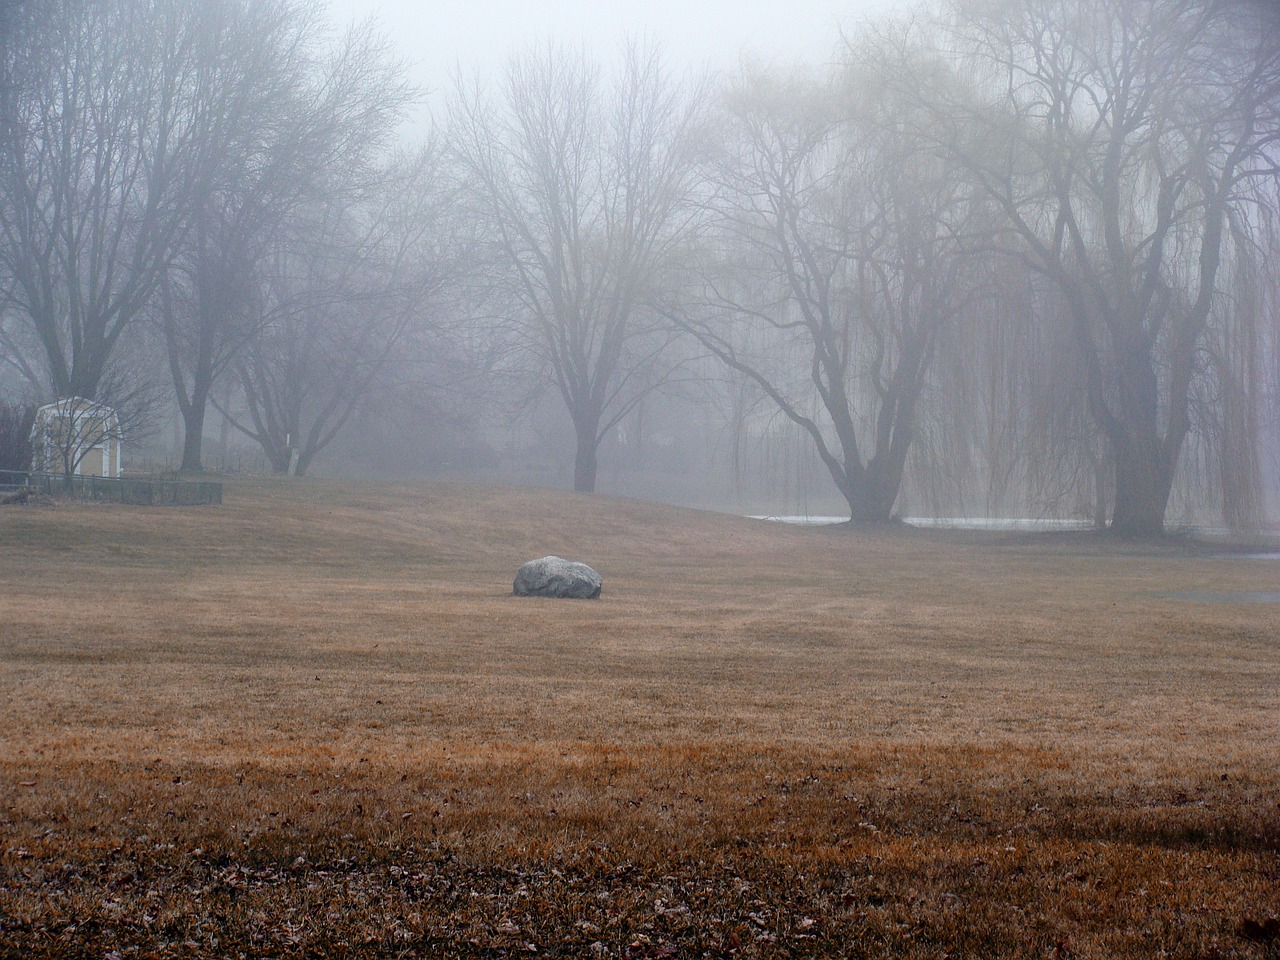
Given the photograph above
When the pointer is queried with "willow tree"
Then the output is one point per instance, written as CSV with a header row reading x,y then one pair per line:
x,y
1126,145
583,181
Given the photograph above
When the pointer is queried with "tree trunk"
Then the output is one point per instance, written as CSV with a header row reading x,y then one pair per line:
x,y
868,503
193,413
193,438
224,457
1099,494
192,442
280,457
1143,484
1144,475
586,430
585,464
871,492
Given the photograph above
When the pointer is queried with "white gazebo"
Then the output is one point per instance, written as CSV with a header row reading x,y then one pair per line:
x,y
76,435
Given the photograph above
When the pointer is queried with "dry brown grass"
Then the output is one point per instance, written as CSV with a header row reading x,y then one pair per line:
x,y
314,722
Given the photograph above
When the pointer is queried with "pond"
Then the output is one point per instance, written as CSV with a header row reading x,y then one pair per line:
x,y
947,523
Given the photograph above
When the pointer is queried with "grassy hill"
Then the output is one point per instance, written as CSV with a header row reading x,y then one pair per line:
x,y
315,721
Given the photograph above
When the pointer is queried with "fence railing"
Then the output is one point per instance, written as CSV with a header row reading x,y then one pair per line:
x,y
136,490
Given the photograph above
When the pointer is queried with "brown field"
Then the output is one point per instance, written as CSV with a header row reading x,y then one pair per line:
x,y
314,722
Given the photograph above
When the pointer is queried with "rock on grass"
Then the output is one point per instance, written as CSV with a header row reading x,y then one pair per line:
x,y
557,577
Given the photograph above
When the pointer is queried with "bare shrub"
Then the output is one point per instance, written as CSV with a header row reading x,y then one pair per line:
x,y
16,419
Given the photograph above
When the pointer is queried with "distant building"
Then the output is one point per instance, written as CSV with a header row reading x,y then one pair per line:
x,y
76,435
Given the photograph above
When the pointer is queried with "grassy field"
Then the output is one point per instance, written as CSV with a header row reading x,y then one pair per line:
x,y
314,722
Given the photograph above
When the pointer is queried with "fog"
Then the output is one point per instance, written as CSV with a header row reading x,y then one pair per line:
x,y
439,39
800,260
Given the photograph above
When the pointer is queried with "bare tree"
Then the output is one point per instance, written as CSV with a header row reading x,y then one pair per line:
x,y
19,24
1121,142
296,121
12,28
1269,362
584,184
837,261
345,288
94,195
17,19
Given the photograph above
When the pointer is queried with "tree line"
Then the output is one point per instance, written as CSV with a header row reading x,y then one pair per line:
x,y
1021,246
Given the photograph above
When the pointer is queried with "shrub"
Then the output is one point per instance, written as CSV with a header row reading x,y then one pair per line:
x,y
15,434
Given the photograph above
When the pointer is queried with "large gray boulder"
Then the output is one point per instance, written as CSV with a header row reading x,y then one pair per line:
x,y
557,577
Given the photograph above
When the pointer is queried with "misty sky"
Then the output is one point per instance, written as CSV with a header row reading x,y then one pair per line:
x,y
437,35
